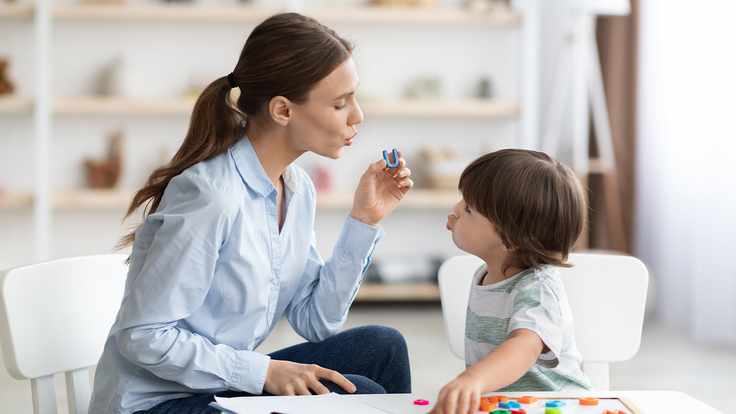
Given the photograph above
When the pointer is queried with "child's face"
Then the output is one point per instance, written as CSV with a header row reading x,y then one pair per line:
x,y
472,232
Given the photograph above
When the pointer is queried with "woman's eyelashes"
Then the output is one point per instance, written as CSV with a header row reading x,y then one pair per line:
x,y
340,105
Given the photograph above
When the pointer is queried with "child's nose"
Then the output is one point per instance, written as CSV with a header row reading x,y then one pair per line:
x,y
451,218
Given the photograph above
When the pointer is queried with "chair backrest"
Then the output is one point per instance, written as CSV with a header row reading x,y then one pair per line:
x,y
54,318
607,295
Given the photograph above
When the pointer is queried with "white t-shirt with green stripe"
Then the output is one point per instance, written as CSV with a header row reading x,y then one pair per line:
x,y
533,299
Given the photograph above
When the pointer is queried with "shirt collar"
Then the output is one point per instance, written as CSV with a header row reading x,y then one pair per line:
x,y
252,173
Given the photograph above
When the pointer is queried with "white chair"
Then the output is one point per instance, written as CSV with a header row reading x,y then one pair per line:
x,y
55,317
607,294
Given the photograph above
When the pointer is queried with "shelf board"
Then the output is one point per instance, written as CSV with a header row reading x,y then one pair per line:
x,y
15,105
407,108
162,13
416,15
12,200
91,200
598,166
119,200
246,14
96,200
461,108
91,105
16,11
405,292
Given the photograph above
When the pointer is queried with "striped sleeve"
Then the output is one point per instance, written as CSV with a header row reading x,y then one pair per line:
x,y
536,308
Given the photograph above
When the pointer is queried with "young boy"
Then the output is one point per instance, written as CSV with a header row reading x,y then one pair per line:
x,y
521,213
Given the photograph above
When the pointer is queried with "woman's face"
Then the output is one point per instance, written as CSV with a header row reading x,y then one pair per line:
x,y
327,122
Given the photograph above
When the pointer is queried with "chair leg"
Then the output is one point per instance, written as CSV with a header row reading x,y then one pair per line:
x,y
44,397
78,390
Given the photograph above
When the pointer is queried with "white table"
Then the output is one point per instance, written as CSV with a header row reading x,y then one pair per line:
x,y
646,402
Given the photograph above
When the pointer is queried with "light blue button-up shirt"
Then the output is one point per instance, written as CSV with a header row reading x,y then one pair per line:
x,y
210,277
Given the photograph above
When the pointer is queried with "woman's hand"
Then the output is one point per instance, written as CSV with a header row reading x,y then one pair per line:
x,y
460,396
291,378
380,190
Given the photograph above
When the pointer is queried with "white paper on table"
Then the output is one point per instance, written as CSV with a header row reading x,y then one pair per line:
x,y
306,404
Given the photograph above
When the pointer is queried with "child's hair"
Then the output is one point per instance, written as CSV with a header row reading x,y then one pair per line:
x,y
286,55
535,202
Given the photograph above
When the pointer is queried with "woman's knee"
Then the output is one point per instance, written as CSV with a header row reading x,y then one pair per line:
x,y
363,385
382,337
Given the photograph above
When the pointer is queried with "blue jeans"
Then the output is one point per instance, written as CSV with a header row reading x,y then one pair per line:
x,y
374,358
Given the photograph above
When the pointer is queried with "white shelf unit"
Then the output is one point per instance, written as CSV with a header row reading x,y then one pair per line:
x,y
360,15
466,108
44,107
118,200
15,105
12,11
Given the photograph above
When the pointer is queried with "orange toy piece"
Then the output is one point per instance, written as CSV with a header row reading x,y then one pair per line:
x,y
588,401
527,399
487,405
613,412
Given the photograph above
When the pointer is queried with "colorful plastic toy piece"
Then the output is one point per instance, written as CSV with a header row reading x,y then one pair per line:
x,y
509,405
588,401
421,402
500,412
614,412
486,405
518,411
527,399
396,162
552,410
554,404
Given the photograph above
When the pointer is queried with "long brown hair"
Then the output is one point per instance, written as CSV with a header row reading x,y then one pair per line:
x,y
536,204
285,55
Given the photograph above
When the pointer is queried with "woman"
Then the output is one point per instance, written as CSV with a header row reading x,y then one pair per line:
x,y
227,247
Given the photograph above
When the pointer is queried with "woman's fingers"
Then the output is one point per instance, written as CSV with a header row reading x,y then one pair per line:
x,y
318,387
403,172
377,166
405,183
300,388
402,165
337,378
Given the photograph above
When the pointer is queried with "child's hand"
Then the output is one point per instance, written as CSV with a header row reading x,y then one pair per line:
x,y
460,396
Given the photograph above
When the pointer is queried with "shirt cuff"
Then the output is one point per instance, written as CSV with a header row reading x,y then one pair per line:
x,y
248,370
357,241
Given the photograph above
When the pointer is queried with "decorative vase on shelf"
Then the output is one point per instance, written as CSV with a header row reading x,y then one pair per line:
x,y
6,87
105,173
